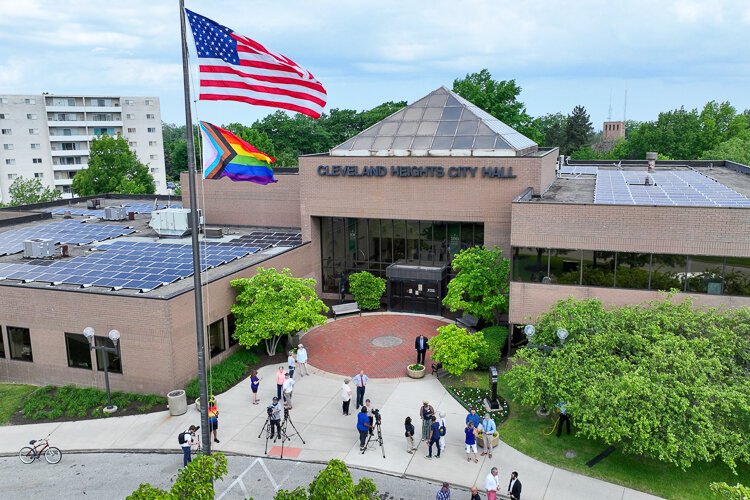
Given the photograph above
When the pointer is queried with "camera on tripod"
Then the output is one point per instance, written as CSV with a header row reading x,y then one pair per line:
x,y
286,413
376,414
269,410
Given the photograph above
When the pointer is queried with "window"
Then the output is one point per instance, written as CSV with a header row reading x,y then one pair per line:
x,y
152,130
67,189
152,143
154,170
130,116
150,116
63,101
216,337
529,264
565,266
157,183
38,175
12,176
30,116
231,327
131,131
79,353
6,131
8,147
132,144
113,359
2,344
154,157
632,270
704,274
737,276
104,131
33,131
598,268
19,341
36,160
3,116
35,145
149,102
129,101
30,101
102,117
667,272
67,131
3,100
10,161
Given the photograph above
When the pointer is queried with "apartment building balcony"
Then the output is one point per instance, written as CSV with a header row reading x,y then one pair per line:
x,y
63,182
69,152
67,109
65,168
71,138
66,123
103,109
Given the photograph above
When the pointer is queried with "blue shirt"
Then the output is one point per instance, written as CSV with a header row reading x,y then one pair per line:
x,y
362,420
470,437
435,427
360,380
488,426
254,383
474,419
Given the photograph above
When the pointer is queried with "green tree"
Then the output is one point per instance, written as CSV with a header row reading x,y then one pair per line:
x,y
367,289
662,379
578,130
457,349
194,481
736,492
335,481
256,138
481,284
498,98
736,149
271,304
113,168
551,127
26,191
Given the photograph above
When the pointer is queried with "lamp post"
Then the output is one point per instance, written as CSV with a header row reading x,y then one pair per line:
x,y
114,336
529,331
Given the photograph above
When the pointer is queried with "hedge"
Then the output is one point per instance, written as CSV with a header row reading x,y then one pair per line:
x,y
496,338
226,374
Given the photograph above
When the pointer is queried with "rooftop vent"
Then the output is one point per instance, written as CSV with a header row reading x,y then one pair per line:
x,y
172,222
38,248
115,213
94,203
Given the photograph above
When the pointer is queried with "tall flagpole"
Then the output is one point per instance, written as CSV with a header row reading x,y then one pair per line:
x,y
195,228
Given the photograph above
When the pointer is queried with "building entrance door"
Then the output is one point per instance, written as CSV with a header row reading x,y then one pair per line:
x,y
415,289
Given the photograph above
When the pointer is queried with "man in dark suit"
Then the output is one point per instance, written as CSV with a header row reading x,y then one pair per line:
x,y
421,345
514,487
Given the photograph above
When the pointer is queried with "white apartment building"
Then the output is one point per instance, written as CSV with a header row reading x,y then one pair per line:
x,y
48,136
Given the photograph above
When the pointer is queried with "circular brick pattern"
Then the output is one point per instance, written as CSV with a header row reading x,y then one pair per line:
x,y
348,345
386,341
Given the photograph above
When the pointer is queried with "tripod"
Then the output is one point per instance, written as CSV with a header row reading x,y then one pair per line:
x,y
379,439
285,436
268,428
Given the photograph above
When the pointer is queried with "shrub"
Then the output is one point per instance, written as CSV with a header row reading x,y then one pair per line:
x,y
225,374
194,481
51,403
367,290
335,481
456,348
496,338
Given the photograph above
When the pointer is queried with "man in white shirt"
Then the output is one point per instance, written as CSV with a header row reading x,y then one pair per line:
x,y
287,389
492,484
187,441
302,360
346,396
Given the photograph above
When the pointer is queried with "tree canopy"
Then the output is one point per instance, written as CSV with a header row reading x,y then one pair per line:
x,y
26,191
194,481
335,481
481,284
367,289
271,304
577,131
457,349
662,380
113,168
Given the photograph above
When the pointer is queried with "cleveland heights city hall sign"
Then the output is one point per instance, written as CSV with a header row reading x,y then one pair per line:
x,y
412,171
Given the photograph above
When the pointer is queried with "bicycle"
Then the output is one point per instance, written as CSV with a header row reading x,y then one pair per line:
x,y
38,447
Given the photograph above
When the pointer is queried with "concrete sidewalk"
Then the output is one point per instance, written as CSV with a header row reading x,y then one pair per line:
x,y
328,434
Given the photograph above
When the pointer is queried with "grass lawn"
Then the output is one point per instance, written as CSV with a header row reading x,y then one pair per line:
x,y
525,431
11,399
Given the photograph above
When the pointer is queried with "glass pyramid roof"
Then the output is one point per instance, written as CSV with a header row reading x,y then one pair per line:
x,y
440,124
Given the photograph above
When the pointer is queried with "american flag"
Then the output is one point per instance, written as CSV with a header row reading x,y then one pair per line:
x,y
236,68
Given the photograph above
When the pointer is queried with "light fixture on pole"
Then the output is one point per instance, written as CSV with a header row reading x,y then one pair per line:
x,y
529,331
562,334
114,336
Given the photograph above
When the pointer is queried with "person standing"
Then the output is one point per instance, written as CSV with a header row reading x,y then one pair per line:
x,y
291,364
473,418
409,433
475,494
185,443
443,430
426,412
514,486
363,424
254,384
421,344
434,438
360,381
471,442
279,382
444,493
370,414
564,418
346,396
488,430
213,419
302,360
288,387
492,484
275,418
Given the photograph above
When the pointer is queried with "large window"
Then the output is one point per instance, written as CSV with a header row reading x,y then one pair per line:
x,y
2,344
530,264
19,341
231,327
216,337
598,268
704,274
565,266
353,245
113,358
668,272
633,270
737,276
79,353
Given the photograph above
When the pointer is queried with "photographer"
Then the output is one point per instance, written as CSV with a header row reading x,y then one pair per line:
x,y
363,425
274,412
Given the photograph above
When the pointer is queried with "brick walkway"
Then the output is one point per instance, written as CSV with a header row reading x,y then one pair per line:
x,y
345,346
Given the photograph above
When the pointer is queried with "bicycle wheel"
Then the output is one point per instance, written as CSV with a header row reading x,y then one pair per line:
x,y
53,455
27,454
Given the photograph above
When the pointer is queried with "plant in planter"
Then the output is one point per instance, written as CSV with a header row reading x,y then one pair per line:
x,y
367,290
495,439
415,371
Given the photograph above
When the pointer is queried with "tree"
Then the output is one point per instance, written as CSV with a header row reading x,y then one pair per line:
x,y
498,98
335,481
661,379
256,138
736,149
481,284
271,304
457,349
26,191
113,168
194,481
578,130
736,492
366,289
551,128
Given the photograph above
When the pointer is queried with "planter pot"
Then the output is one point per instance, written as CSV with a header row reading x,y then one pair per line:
x,y
198,402
495,440
415,373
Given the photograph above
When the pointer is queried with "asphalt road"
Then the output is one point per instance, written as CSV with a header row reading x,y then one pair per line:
x,y
116,475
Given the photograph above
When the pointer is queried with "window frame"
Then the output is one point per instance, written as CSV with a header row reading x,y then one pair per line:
x,y
83,340
13,355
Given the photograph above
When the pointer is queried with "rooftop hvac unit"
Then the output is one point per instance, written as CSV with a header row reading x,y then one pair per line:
x,y
115,213
94,203
38,248
213,232
172,222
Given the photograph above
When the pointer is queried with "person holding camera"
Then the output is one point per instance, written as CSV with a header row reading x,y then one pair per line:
x,y
274,413
363,426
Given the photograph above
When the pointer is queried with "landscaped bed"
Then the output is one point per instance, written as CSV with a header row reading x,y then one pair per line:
x,y
473,397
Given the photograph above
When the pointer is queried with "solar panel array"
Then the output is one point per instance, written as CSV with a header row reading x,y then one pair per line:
x,y
269,239
126,264
69,231
669,187
139,208
577,170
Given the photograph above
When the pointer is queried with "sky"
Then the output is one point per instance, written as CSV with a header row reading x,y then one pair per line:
x,y
663,54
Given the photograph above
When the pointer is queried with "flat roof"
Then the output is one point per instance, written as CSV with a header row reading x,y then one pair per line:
x,y
239,248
